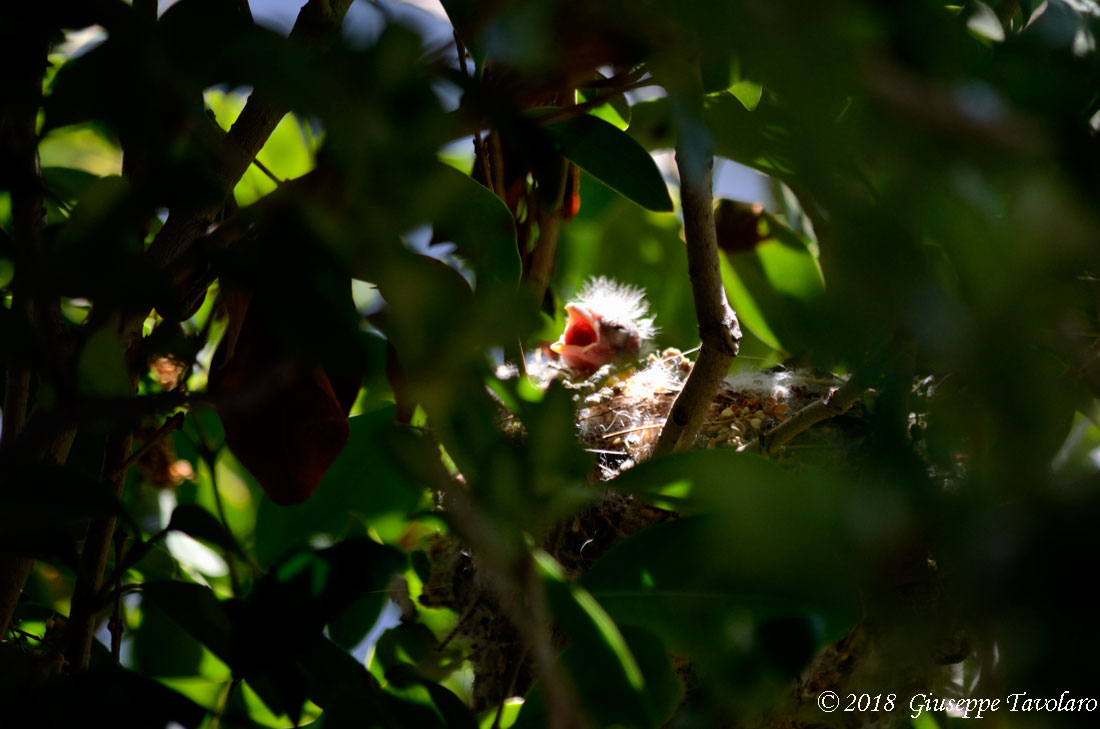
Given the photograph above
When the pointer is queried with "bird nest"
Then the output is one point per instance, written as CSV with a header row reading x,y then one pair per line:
x,y
623,419
619,417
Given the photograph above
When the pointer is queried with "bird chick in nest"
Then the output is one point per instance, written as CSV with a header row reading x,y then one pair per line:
x,y
608,322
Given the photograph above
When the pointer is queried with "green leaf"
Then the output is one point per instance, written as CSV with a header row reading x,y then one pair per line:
x,y
481,227
663,690
67,183
615,110
781,277
196,610
101,366
197,522
454,712
763,528
613,157
789,264
651,123
465,15
100,204
129,698
161,648
754,135
984,23
609,678
309,589
748,93
44,510
405,643
749,313
365,482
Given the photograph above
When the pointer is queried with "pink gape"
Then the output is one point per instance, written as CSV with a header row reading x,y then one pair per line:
x,y
608,321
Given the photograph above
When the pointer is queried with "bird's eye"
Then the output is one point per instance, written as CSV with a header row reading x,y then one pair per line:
x,y
619,336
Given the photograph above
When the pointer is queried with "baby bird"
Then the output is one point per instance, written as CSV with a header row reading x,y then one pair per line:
x,y
607,322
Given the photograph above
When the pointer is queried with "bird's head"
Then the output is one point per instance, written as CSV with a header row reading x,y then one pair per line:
x,y
607,321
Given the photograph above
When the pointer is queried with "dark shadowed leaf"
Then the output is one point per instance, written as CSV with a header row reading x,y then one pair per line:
x,y
44,510
765,527
66,183
132,699
161,648
364,482
613,157
599,659
481,227
198,611
623,676
454,713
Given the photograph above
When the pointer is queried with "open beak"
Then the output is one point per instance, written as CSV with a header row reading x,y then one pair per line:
x,y
580,333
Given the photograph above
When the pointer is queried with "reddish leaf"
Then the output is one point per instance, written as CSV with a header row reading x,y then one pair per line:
x,y
282,420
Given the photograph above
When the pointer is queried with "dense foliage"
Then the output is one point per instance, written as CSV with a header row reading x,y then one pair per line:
x,y
256,288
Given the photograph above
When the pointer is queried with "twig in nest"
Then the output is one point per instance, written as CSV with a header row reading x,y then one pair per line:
x,y
837,402
635,429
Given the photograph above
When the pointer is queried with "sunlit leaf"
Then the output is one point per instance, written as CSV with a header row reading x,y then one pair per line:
x,y
748,93
199,523
743,302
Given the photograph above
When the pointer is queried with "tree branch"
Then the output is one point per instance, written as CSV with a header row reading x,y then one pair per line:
x,y
173,423
541,262
245,139
23,58
718,327
184,226
506,580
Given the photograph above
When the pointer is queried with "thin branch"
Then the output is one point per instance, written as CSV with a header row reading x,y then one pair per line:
x,y
718,327
173,423
507,579
116,625
495,159
80,628
481,154
531,620
541,263
25,57
470,123
263,168
625,78
568,112
247,136
15,569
